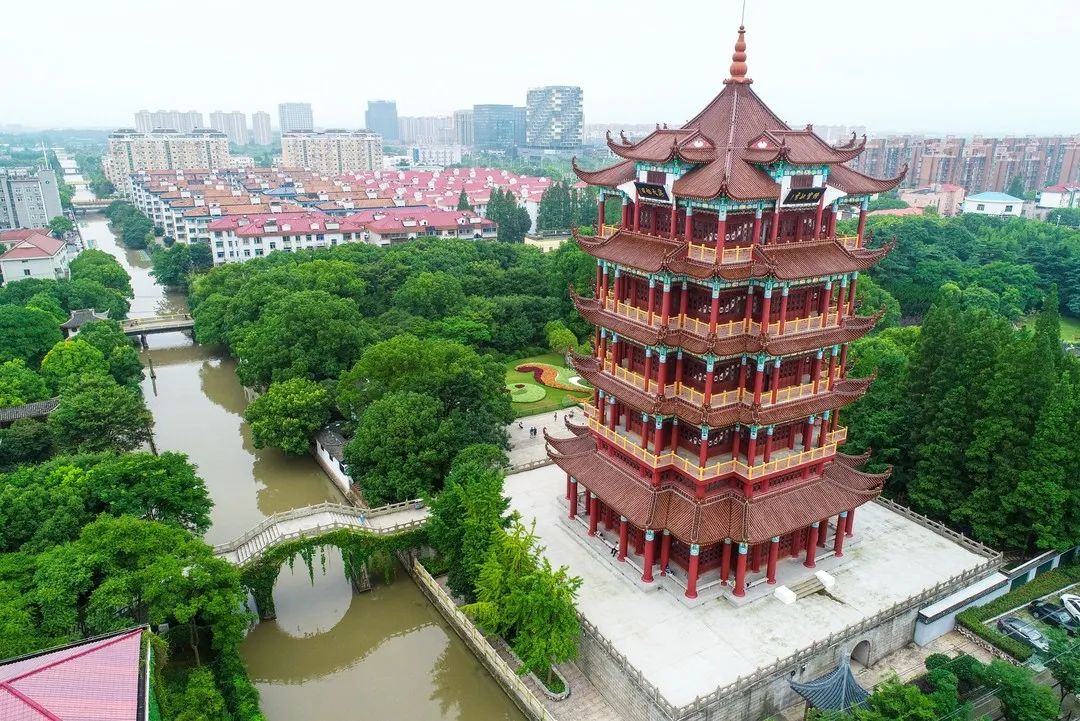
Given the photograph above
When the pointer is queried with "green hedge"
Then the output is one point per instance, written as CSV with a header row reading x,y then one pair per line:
x,y
974,619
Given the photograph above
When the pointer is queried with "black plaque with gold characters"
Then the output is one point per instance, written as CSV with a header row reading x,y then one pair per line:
x,y
803,196
652,191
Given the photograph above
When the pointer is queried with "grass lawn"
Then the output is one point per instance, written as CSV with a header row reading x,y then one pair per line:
x,y
1070,327
555,399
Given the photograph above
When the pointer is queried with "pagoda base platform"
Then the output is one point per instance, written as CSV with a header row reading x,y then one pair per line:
x,y
790,571
654,656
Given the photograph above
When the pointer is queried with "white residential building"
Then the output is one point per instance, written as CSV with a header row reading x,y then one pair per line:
x,y
260,128
994,203
233,124
436,154
332,151
29,197
295,116
32,254
129,151
1063,195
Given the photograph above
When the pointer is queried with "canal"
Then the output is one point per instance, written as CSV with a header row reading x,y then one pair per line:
x,y
386,654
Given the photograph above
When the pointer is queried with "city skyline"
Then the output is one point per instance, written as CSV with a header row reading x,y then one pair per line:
x,y
891,87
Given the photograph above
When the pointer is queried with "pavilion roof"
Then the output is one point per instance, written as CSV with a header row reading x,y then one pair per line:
x,y
37,409
81,317
729,141
835,691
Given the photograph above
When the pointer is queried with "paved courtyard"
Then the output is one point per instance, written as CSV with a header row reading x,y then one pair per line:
x,y
688,652
526,448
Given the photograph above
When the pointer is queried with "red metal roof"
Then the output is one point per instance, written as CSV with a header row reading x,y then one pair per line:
x,y
93,681
34,245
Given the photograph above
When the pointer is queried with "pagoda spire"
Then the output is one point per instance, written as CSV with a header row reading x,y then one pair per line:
x,y
738,61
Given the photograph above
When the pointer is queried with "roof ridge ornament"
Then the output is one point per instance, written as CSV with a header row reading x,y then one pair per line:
x,y
738,61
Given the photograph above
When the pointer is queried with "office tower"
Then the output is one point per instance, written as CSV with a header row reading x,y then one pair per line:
x,y
463,127
554,117
295,116
498,127
381,116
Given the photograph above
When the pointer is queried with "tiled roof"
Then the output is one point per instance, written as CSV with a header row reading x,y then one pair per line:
x,y
33,245
38,409
97,680
10,236
835,691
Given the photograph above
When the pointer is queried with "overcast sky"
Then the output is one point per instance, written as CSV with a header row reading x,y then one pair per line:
x,y
919,65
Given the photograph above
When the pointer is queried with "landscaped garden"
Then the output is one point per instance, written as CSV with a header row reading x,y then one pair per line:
x,y
543,383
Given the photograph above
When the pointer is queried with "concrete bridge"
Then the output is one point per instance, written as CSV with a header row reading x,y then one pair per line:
x,y
158,324
319,519
88,206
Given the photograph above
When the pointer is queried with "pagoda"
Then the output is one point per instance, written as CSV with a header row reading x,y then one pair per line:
x,y
724,306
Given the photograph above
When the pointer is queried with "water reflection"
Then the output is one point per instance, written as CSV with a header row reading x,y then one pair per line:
x,y
400,662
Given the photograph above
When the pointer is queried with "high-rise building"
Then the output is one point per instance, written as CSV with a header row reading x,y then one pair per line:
x,y
555,118
381,117
191,120
233,124
144,121
426,130
711,439
332,151
295,116
129,151
260,128
463,127
498,127
29,198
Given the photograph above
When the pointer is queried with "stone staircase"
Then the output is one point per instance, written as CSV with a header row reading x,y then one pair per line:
x,y
807,587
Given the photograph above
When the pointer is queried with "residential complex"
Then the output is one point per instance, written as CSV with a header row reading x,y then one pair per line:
x,y
381,117
146,122
332,151
948,199
430,130
554,117
976,164
233,124
498,127
29,197
32,253
295,116
436,154
260,128
130,151
463,127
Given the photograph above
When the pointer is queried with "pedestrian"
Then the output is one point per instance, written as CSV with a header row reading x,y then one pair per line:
x,y
363,518
520,425
556,415
614,550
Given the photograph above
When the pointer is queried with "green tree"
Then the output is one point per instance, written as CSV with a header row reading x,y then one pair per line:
x,y
162,488
99,266
28,334
1016,187
71,358
466,514
401,449
1022,699
19,384
1064,664
172,266
123,360
431,295
306,334
871,298
25,441
560,338
288,414
201,700
49,304
95,413
202,258
61,224
463,201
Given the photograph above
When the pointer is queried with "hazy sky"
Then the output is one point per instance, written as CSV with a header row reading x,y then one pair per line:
x,y
919,65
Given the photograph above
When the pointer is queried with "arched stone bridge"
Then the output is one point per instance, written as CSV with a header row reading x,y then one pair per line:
x,y
319,519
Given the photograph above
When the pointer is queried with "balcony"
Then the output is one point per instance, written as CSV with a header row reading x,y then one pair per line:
x,y
699,327
781,459
731,256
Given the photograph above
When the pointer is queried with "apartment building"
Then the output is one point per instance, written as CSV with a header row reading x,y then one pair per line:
x,y
332,151
436,154
241,237
295,116
554,117
29,197
382,118
260,128
233,124
463,127
129,151
426,130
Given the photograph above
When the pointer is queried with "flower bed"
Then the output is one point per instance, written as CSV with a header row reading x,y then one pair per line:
x,y
525,392
549,376
975,619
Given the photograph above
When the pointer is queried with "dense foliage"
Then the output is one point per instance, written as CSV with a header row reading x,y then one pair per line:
x,y
979,419
174,266
563,207
288,414
514,221
131,227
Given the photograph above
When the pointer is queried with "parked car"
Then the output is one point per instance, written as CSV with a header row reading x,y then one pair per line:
x,y
1054,615
1071,602
1023,632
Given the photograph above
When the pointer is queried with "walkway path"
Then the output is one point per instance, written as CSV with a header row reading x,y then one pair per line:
x,y
318,519
526,450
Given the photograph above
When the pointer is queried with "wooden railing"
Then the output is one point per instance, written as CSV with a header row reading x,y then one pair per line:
x,y
706,254
851,242
724,330
606,231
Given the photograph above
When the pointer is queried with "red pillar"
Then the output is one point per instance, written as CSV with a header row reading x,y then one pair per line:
x,y
661,374
624,532
684,299
841,303
710,365
652,297
826,301
721,233
602,294
800,223
843,360
714,309
600,215
740,571
751,446
736,441
768,445
774,227
692,571
674,224
645,431
774,382
808,434
703,449
658,431
678,367
757,227
665,551
774,555
665,303
637,216
650,550
749,310
862,221
648,368
573,498
755,557
569,486
741,384
811,546
613,413
815,369
823,531
823,426
830,228
759,379
851,294
832,367
850,529
594,512
688,225
725,562
838,542
817,217
796,542
783,307
766,308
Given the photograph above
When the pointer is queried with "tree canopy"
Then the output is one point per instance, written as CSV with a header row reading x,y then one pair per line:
x,y
95,413
288,414
28,334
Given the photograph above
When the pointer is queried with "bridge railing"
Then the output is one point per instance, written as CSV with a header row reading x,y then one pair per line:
x,y
155,320
327,507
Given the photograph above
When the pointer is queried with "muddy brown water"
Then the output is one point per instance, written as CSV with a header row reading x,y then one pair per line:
x,y
385,654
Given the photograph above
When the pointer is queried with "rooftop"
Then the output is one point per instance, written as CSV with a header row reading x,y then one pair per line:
x,y
33,245
97,680
690,651
995,197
